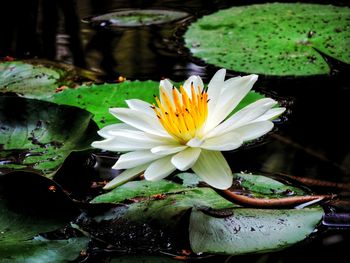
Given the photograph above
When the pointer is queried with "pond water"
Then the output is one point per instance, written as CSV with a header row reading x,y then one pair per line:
x,y
313,141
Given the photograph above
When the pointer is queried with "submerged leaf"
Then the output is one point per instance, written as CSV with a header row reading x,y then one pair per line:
x,y
273,39
40,135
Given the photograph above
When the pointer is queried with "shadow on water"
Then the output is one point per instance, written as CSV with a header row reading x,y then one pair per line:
x,y
314,142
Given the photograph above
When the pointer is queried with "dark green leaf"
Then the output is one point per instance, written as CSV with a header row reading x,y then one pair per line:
x,y
43,251
40,135
273,39
19,240
251,230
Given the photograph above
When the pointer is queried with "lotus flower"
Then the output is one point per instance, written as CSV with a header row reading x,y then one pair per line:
x,y
187,128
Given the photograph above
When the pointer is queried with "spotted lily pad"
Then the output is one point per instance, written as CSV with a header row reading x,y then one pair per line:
x,y
273,39
136,18
38,78
40,135
99,98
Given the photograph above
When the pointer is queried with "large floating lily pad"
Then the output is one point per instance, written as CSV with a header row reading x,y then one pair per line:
x,y
19,240
99,98
211,216
136,18
273,39
40,135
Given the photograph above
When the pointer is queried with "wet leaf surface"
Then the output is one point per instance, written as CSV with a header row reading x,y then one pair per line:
x,y
40,135
273,39
251,230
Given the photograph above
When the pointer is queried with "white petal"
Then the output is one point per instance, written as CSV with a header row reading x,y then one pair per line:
x,y
167,87
195,142
197,82
216,82
271,114
254,130
159,169
130,140
225,142
168,149
141,106
234,91
133,159
215,87
212,167
184,160
125,176
106,132
142,122
243,116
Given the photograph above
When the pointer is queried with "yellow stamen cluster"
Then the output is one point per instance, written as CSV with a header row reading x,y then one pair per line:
x,y
183,116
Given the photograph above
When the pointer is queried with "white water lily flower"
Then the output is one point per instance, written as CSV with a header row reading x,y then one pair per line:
x,y
187,128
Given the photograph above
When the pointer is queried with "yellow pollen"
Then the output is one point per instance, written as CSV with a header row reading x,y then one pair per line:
x,y
181,115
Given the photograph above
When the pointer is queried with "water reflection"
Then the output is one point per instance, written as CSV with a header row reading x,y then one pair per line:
x,y
36,28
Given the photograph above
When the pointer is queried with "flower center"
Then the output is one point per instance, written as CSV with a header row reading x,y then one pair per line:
x,y
182,116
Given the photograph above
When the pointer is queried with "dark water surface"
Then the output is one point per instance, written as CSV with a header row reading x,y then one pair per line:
x,y
314,141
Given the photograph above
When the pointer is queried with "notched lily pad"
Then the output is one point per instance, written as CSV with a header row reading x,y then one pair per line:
x,y
40,135
273,39
99,98
136,18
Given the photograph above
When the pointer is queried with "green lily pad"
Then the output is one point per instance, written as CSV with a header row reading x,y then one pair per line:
x,y
19,240
31,80
139,189
251,230
38,78
165,205
136,18
99,98
40,135
262,186
273,39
